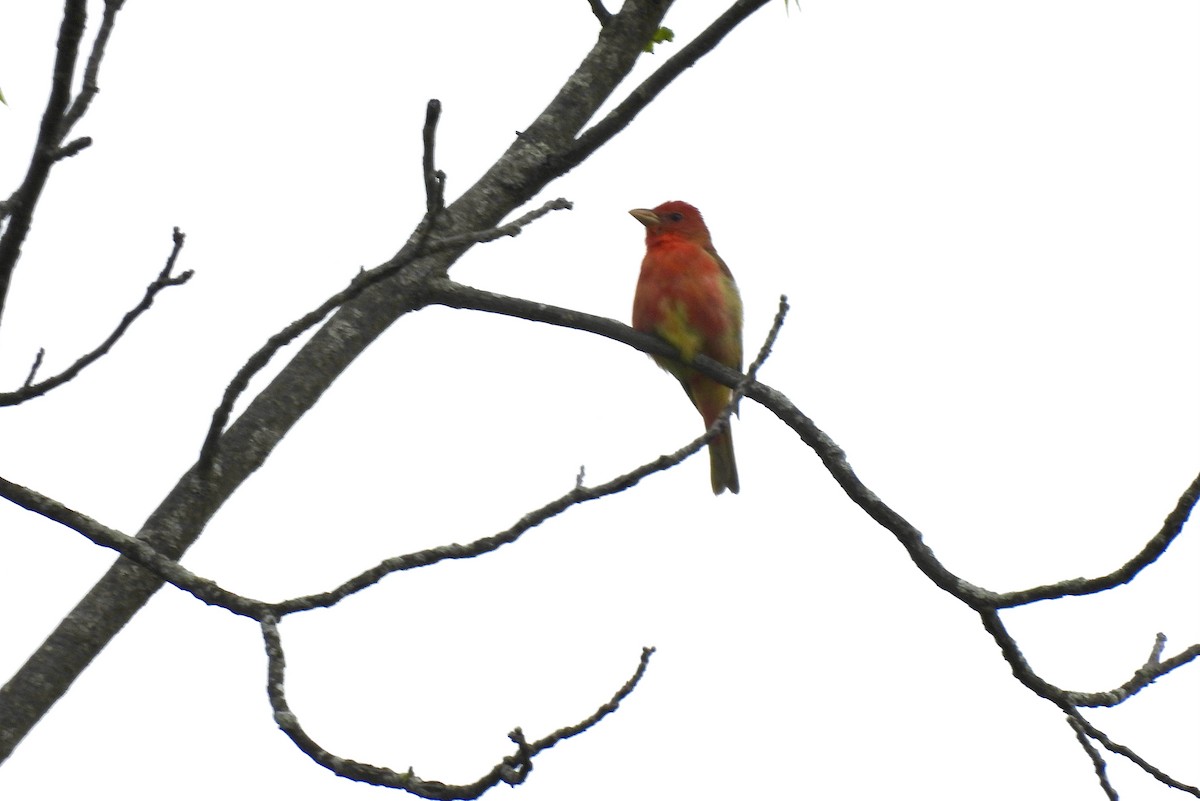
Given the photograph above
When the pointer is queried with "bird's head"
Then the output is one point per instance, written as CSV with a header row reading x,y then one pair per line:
x,y
674,217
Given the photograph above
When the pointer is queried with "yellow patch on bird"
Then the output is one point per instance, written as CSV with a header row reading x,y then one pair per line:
x,y
676,329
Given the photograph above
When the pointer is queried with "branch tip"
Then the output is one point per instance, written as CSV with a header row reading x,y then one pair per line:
x,y
163,280
435,179
72,148
37,363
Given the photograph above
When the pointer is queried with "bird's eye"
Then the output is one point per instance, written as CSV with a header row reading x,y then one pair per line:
x,y
675,216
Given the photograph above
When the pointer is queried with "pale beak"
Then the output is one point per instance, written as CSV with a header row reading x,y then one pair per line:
x,y
645,216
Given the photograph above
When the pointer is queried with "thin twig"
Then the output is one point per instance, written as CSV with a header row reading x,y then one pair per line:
x,y
722,420
431,556
33,369
577,495
60,116
518,766
435,179
511,769
24,200
1129,754
513,228
72,148
1153,549
1160,644
1097,760
418,247
165,279
1142,678
607,709
660,79
91,73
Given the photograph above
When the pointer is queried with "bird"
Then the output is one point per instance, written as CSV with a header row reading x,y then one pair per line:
x,y
687,296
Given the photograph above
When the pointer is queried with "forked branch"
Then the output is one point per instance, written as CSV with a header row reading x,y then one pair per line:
x,y
165,279
510,770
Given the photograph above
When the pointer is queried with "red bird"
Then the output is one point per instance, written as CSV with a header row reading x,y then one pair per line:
x,y
686,295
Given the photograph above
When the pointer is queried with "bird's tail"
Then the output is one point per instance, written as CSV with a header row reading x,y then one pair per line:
x,y
724,467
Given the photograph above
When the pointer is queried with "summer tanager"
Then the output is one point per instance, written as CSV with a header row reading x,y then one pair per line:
x,y
686,295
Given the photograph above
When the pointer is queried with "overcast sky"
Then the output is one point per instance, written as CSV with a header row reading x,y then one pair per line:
x,y
986,218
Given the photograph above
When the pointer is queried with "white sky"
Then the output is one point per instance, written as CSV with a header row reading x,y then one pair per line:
x,y
987,219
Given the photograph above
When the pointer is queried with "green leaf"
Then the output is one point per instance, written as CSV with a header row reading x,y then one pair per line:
x,y
660,36
2,100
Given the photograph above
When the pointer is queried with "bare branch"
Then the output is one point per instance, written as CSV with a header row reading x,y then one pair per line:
x,y
33,369
435,179
72,148
511,769
1153,549
1143,677
57,121
134,549
165,279
430,556
1080,723
448,293
91,72
639,98
1016,660
417,247
602,13
518,175
578,495
211,593
1094,755
508,229
1068,701
24,200
617,49
570,731
1160,644
768,343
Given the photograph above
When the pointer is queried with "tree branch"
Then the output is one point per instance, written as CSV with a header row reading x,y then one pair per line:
x,y
1142,678
1153,549
520,173
660,79
72,148
33,368
91,72
435,179
417,248
1079,723
413,278
448,293
511,769
1097,760
602,13
23,202
134,549
57,121
165,279
578,495
983,601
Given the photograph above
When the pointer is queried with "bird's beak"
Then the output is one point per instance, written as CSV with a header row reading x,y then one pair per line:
x,y
645,216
